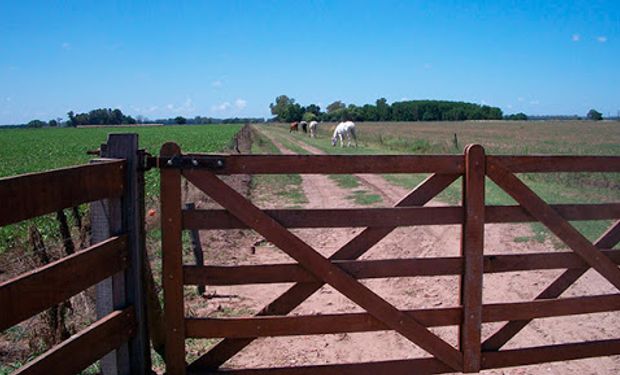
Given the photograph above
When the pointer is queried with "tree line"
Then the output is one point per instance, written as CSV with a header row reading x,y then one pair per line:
x,y
200,120
108,116
285,109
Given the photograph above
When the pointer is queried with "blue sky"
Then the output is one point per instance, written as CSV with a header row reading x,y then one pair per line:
x,y
232,58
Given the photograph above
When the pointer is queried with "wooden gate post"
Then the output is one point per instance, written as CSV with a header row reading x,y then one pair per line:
x,y
113,217
472,250
172,263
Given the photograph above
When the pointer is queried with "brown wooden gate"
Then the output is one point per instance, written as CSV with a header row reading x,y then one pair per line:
x,y
343,272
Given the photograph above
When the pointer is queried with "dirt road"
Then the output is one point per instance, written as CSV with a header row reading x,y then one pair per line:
x,y
410,293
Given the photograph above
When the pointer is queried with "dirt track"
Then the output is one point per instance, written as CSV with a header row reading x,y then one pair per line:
x,y
409,293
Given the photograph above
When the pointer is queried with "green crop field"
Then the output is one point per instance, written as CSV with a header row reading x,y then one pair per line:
x,y
34,150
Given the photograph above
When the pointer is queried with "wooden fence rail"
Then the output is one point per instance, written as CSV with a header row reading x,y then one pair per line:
x,y
343,272
36,194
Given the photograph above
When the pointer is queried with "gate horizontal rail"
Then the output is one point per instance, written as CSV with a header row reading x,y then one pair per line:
x,y
389,217
384,268
363,322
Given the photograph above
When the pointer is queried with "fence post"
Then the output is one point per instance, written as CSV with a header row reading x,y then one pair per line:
x,y
194,236
172,263
472,249
112,217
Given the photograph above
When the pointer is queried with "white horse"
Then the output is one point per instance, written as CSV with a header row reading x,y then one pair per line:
x,y
344,128
313,128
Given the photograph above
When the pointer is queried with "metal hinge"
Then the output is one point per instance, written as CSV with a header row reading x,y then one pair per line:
x,y
191,162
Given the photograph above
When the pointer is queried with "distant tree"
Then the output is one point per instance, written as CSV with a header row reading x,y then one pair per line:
x,y
100,116
369,112
384,112
335,106
517,117
594,115
314,109
71,121
279,107
52,123
309,116
180,120
36,124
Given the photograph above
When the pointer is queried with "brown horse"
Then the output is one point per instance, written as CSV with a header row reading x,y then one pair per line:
x,y
294,127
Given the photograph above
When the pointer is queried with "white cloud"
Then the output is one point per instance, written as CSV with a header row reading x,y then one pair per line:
x,y
240,103
217,83
509,106
520,99
186,107
601,39
221,107
534,102
576,37
66,46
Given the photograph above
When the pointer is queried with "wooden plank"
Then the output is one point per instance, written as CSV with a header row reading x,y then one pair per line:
x,y
421,366
332,164
331,218
388,217
382,268
309,324
264,326
30,195
85,347
521,164
353,249
172,263
551,353
572,212
609,239
44,287
552,220
472,248
322,268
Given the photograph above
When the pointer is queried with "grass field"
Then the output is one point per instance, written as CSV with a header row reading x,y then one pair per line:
x,y
497,137
33,150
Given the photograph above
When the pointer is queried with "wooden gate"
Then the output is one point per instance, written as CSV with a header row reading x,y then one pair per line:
x,y
342,272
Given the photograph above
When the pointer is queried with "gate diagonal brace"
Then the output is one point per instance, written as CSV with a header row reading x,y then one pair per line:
x,y
323,268
539,209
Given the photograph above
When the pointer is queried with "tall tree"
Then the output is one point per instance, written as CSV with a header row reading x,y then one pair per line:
x,y
335,106
280,106
384,112
594,115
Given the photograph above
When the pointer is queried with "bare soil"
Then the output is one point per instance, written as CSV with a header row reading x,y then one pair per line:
x,y
405,293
